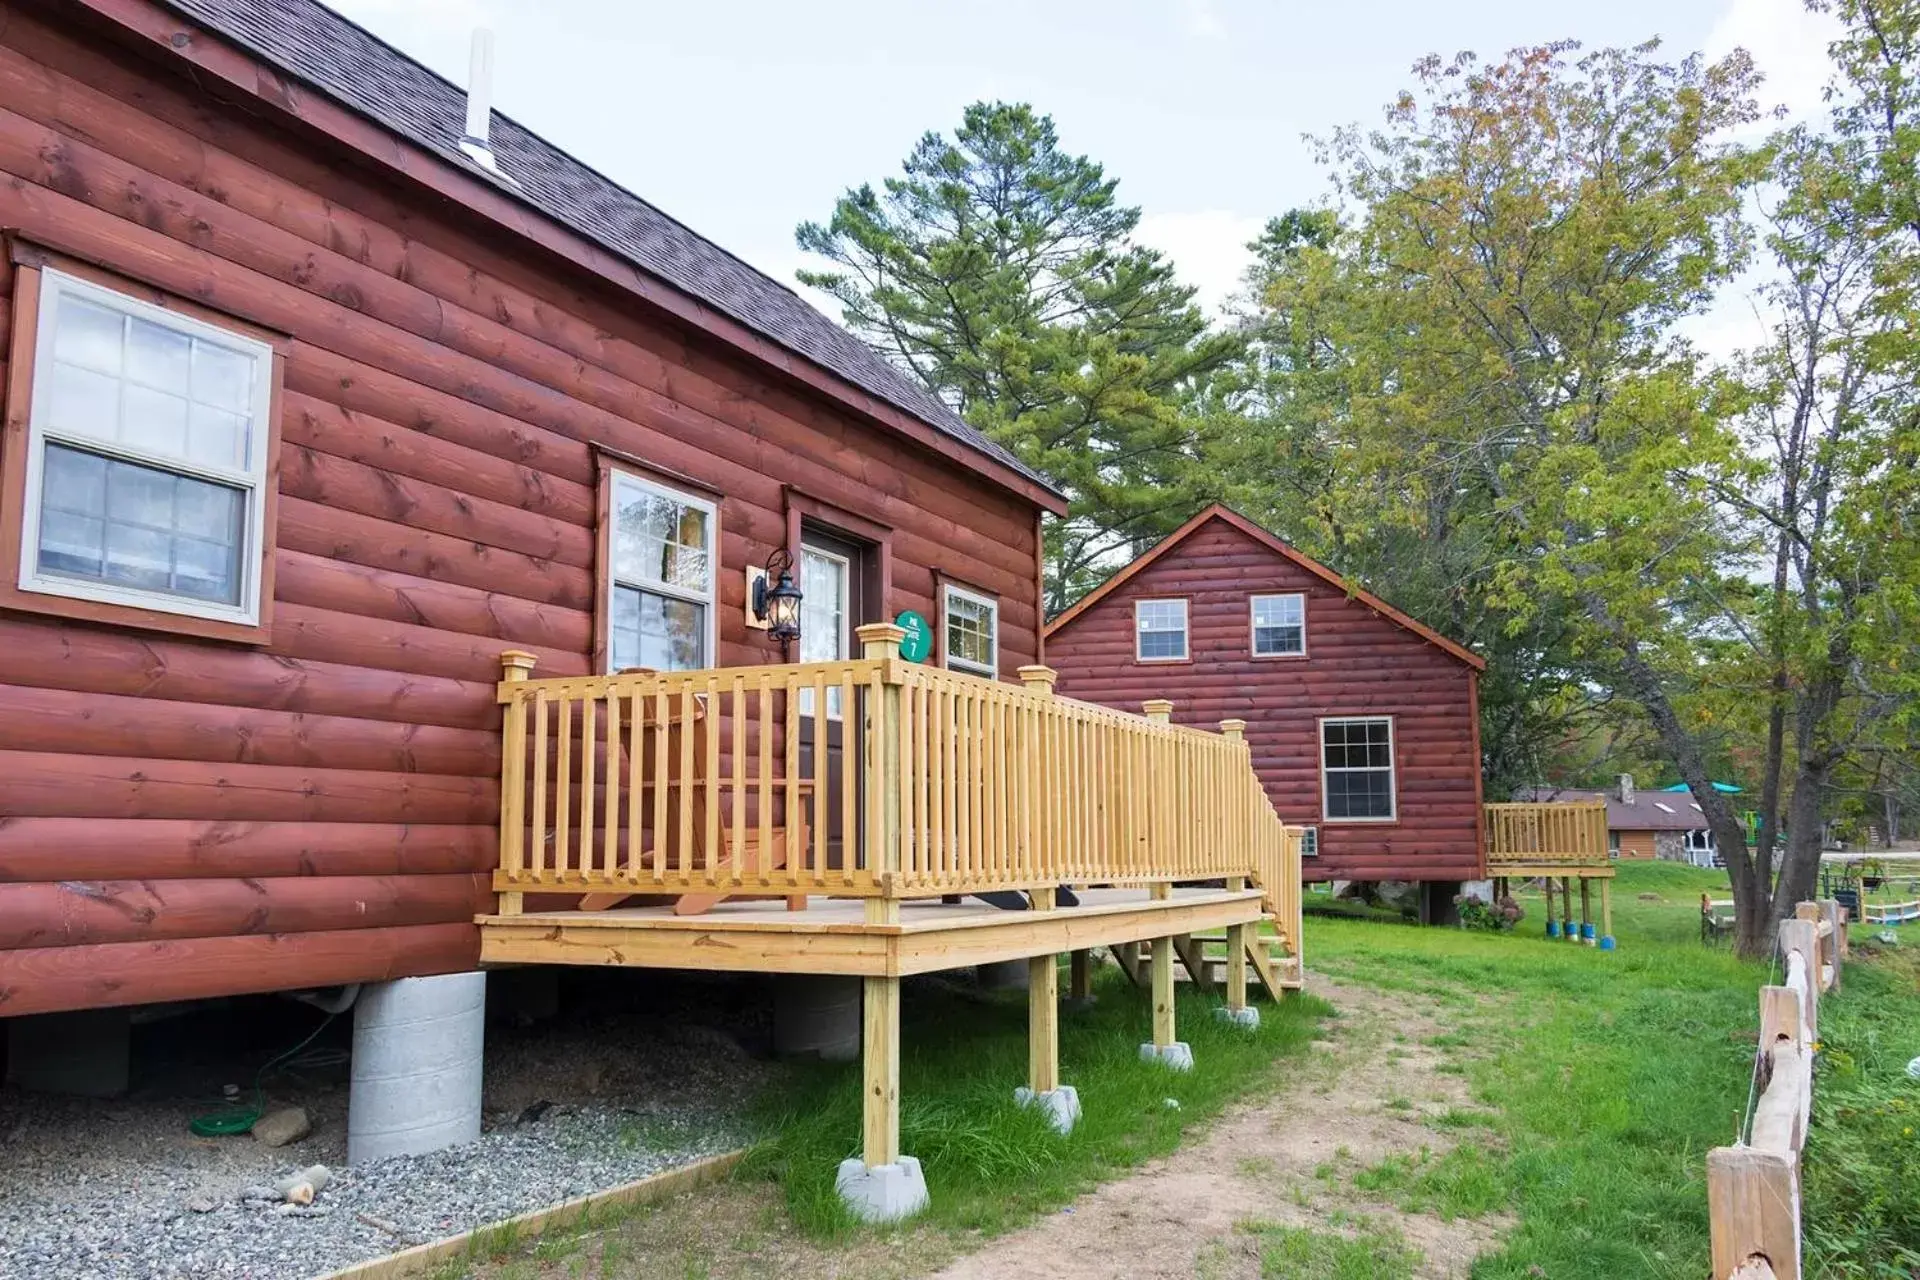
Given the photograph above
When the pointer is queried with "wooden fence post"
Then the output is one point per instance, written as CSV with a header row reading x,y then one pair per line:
x,y
514,666
1158,711
1800,961
1753,1211
1835,917
1235,731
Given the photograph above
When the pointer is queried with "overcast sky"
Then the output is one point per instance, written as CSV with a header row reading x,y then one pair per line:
x,y
743,117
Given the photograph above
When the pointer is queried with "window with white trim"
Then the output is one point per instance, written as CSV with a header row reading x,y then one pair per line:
x,y
147,454
1356,769
1279,625
1160,630
1309,842
661,579
972,631
826,584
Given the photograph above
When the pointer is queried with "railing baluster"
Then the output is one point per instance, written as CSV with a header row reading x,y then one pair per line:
x,y
821,799
710,733
589,750
683,794
849,823
636,778
662,719
538,840
563,790
610,845
764,784
737,784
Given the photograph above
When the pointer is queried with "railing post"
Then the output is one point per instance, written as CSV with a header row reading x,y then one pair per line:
x,y
1158,710
1039,679
514,666
880,641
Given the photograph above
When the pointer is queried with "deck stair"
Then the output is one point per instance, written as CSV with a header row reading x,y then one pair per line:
x,y
1203,961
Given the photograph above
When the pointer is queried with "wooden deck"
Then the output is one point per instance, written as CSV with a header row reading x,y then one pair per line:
x,y
833,935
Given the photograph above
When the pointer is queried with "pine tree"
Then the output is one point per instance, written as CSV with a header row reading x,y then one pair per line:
x,y
1001,272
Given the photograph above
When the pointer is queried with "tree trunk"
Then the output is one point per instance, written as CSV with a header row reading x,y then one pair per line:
x,y
1800,868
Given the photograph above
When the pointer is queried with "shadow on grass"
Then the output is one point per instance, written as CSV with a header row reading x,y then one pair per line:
x,y
989,1163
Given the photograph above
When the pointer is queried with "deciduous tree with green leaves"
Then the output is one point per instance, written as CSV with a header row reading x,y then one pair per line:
x,y
1001,271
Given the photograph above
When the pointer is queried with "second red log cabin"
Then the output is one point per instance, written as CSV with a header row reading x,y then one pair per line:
x,y
310,414
1364,723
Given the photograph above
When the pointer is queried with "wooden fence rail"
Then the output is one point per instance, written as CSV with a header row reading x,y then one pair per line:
x,y
1753,1187
872,777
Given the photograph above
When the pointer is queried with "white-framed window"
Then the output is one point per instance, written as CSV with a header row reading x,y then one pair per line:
x,y
1613,844
1309,842
1279,625
147,455
972,636
1160,630
660,587
826,633
1356,769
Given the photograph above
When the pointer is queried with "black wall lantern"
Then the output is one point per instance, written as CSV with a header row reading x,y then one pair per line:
x,y
776,601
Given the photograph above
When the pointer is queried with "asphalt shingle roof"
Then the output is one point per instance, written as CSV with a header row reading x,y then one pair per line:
x,y
311,43
1648,811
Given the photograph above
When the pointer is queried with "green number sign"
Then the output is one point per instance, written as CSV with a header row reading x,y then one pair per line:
x,y
919,641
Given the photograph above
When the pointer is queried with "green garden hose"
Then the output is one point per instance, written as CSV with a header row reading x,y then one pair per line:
x,y
239,1118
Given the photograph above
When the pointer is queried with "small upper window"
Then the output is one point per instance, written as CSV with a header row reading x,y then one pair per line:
x,y
1309,842
972,631
1160,630
661,584
147,457
1279,626
1356,769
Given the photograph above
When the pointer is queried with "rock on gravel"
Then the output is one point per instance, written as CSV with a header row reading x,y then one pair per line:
x,y
280,1126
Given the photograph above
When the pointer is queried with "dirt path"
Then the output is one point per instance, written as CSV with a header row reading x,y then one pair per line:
x,y
1284,1160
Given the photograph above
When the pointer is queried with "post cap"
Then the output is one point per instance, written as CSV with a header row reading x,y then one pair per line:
x,y
512,660
1157,708
872,631
1233,728
1037,675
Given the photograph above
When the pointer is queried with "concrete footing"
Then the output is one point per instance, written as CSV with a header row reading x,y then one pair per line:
x,y
816,1016
85,1053
1246,1016
1177,1056
882,1192
417,1052
1061,1105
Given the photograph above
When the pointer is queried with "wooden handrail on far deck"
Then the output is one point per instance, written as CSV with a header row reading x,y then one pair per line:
x,y
918,782
1546,835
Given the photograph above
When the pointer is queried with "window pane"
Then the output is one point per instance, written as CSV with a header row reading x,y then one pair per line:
x,y
87,334
823,606
217,438
1163,644
1272,640
657,539
160,532
157,356
81,402
657,631
970,631
222,379
154,422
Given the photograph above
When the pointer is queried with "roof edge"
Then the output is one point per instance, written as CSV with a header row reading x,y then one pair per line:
x,y
1280,546
284,94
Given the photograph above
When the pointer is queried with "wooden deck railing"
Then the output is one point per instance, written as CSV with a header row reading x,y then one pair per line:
x,y
917,781
1546,835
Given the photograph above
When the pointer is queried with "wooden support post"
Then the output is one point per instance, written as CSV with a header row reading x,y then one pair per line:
x,y
1043,1023
1586,913
1162,992
1553,922
1237,938
880,1069
1566,907
514,666
1606,915
880,1049
1080,977
1753,1211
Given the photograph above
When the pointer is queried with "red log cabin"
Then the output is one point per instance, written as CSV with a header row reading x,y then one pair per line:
x,y
315,404
1364,723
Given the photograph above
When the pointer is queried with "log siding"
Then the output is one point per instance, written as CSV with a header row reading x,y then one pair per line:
x,y
1358,663
184,816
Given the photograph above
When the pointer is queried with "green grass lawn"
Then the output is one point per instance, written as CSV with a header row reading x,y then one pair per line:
x,y
1609,1076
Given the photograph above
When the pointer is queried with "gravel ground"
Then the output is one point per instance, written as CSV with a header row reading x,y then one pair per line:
x,y
120,1190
